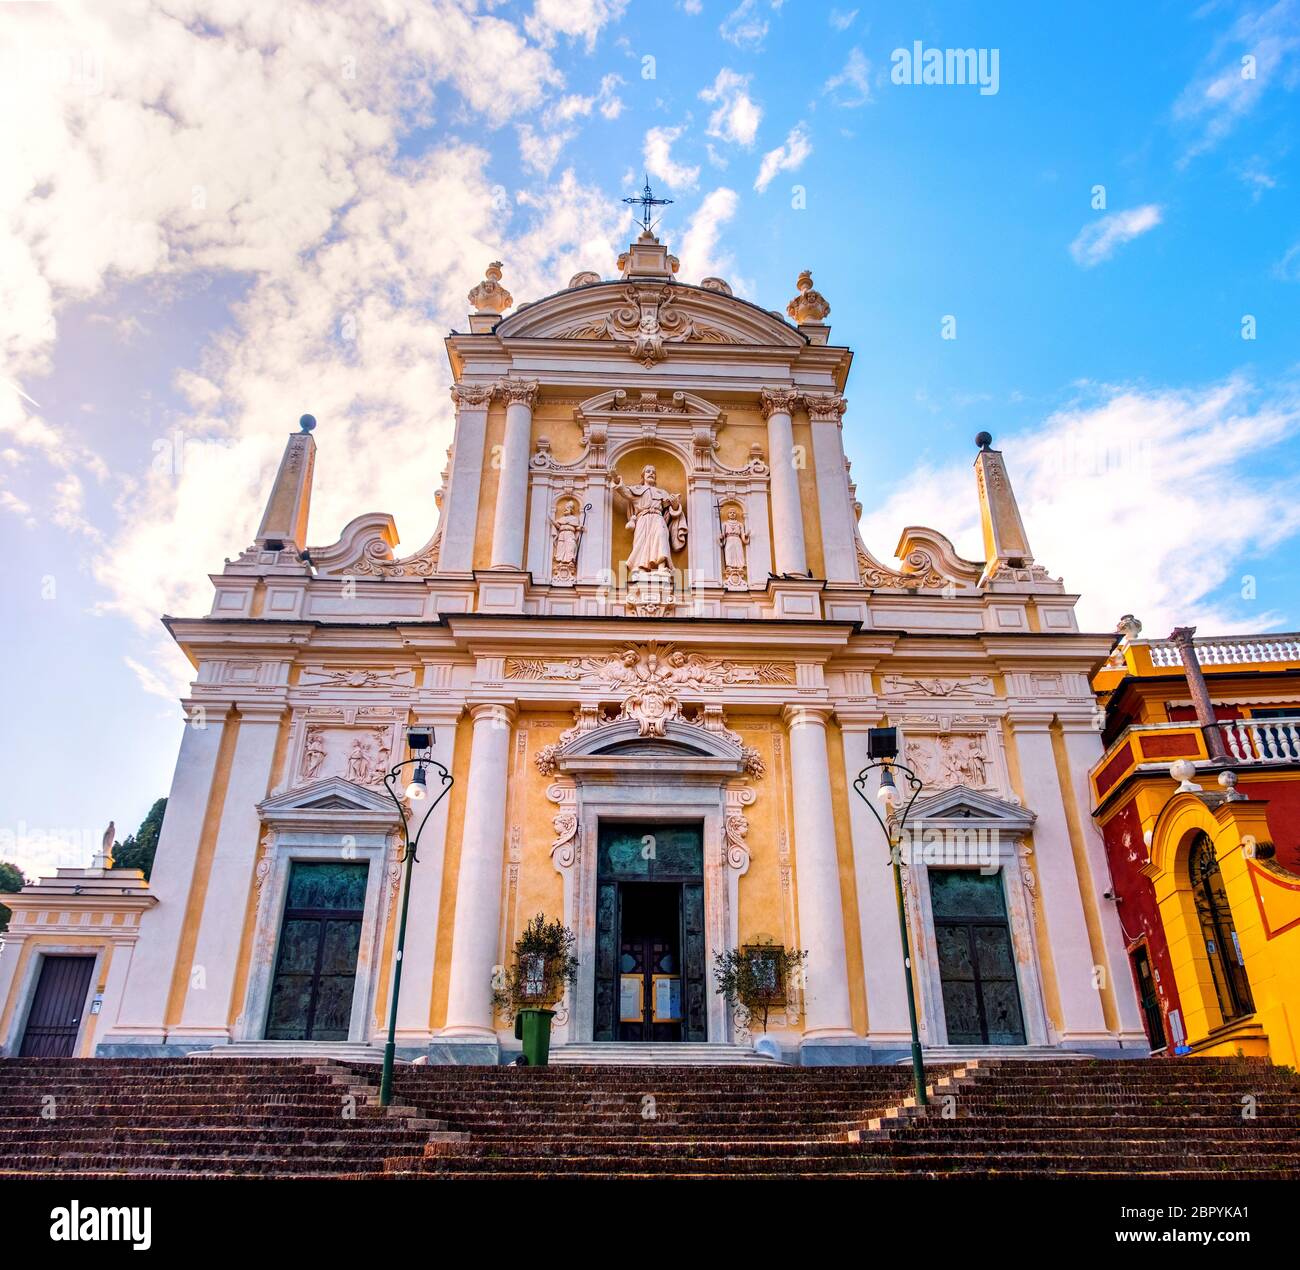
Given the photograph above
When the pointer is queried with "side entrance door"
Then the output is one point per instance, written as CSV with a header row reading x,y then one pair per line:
x,y
981,997
316,967
55,1017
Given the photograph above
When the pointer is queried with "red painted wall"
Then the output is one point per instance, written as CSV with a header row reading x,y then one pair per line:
x,y
1135,901
1283,815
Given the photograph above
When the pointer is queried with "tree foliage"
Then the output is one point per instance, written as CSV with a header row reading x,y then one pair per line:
x,y
544,963
137,852
757,977
11,879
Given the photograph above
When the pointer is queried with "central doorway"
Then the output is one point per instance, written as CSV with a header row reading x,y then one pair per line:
x,y
650,973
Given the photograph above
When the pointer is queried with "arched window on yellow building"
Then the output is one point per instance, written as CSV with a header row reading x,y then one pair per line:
x,y
1218,931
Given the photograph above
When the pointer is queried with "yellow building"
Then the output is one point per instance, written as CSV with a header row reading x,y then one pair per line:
x,y
1198,796
650,643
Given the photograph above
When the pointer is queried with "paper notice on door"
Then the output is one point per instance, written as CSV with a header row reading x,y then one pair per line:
x,y
667,999
630,1007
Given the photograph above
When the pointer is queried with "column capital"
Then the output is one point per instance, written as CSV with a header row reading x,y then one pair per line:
x,y
1030,722
777,401
798,716
824,407
472,395
492,713
261,711
521,392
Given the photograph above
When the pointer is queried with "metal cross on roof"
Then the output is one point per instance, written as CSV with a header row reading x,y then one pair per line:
x,y
648,204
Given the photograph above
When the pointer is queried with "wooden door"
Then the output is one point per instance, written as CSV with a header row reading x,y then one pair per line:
x,y
55,1017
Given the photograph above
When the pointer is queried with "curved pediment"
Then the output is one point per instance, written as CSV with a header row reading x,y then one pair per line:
x,y
679,740
650,318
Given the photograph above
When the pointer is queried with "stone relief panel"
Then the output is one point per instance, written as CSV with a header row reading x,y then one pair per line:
x,y
951,758
357,744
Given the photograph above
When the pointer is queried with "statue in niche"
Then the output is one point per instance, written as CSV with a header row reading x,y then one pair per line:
x,y
735,538
657,521
566,531
313,754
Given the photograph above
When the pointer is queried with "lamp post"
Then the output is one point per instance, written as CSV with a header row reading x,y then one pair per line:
x,y
420,743
882,751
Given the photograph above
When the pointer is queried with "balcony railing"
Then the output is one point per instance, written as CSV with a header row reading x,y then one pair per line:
x,y
1252,741
1152,747
1249,650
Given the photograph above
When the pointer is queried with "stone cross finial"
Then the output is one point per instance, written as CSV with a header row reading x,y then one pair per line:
x,y
808,305
490,296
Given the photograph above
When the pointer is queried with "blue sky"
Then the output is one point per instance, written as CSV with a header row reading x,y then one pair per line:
x,y
217,216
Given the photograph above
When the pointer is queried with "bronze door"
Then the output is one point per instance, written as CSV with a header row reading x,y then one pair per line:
x,y
316,968
55,1017
977,965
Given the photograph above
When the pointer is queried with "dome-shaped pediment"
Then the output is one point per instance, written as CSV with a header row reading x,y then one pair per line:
x,y
649,318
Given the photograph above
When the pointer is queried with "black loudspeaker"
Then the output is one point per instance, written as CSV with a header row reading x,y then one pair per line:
x,y
882,742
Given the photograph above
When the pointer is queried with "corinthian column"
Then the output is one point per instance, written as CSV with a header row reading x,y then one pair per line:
x,y
817,873
478,882
460,506
787,511
512,488
835,508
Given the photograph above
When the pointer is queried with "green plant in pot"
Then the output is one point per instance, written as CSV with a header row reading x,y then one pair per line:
x,y
528,989
757,978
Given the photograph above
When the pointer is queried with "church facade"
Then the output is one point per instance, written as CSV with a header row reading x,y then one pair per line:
x,y
650,642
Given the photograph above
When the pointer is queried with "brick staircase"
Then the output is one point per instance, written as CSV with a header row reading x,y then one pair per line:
x,y
207,1117
1014,1119
231,1117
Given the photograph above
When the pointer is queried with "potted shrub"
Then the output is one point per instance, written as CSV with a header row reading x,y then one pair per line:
x,y
543,966
756,977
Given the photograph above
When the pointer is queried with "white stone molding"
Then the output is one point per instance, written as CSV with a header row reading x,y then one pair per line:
x,y
996,830
690,775
329,821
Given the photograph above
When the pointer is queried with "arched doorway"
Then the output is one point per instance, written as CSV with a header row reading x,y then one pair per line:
x,y
1218,932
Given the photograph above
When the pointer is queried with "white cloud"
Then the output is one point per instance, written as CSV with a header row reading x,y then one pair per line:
x,y
852,85
539,151
745,26
785,158
1115,493
574,106
1259,51
841,20
658,155
699,249
737,116
1099,239
1288,268
578,19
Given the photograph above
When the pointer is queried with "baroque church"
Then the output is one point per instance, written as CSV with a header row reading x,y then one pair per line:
x,y
646,615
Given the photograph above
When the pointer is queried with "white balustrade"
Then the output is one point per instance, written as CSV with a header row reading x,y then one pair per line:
x,y
1262,740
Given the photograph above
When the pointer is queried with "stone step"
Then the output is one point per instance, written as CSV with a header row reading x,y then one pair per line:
x,y
654,1054
343,1051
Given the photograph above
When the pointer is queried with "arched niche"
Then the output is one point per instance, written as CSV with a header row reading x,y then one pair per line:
x,y
670,475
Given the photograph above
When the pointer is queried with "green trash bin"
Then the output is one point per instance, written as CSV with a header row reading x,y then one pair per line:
x,y
533,1027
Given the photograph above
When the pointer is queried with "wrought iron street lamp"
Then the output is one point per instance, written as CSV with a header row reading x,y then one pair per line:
x,y
420,743
882,751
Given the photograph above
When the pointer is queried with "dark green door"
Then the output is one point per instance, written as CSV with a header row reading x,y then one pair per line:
x,y
650,971
981,998
316,967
